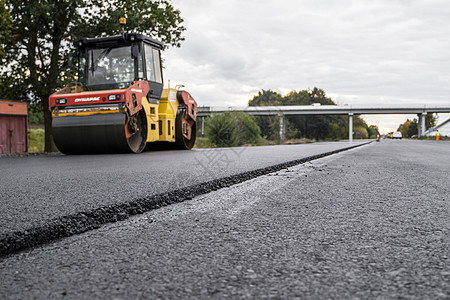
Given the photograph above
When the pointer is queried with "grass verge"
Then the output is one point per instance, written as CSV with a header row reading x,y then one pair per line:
x,y
36,138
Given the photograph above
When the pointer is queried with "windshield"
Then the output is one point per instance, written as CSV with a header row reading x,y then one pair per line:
x,y
107,68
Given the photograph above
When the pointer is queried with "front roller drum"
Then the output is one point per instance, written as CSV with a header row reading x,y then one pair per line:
x,y
136,132
100,133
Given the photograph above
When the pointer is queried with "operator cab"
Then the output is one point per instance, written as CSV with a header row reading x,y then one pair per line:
x,y
116,62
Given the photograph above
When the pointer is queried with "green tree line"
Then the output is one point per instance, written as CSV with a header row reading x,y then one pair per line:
x,y
315,127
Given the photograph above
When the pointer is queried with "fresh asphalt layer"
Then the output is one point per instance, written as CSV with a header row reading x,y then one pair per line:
x,y
48,197
368,223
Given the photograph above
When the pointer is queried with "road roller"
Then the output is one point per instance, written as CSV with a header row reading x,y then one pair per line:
x,y
118,103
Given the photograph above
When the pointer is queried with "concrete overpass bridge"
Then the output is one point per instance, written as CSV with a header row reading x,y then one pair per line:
x,y
282,111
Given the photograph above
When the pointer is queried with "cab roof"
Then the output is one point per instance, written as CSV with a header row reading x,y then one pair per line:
x,y
117,40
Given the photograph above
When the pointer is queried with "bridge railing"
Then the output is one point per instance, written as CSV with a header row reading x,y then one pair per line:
x,y
281,111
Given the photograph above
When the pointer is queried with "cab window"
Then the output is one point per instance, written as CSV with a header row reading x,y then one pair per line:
x,y
157,64
153,66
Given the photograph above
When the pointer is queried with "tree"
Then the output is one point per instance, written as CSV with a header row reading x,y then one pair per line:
x,y
266,98
248,131
360,128
267,124
373,131
43,31
308,97
5,27
317,127
413,128
404,128
430,120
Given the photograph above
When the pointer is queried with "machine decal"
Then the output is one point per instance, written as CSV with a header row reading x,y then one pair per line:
x,y
87,99
173,96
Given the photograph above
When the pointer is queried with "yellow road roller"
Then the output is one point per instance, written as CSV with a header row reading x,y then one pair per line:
x,y
118,103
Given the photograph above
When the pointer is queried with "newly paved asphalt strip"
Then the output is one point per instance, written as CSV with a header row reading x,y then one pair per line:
x,y
368,223
48,197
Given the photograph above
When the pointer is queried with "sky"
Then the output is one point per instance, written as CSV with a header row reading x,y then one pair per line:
x,y
360,52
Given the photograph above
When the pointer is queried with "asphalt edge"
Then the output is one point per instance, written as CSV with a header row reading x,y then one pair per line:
x,y
69,225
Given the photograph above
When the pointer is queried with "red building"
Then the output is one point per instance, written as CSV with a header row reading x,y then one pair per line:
x,y
13,127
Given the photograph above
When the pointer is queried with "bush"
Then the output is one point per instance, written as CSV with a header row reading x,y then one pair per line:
x,y
221,130
248,130
232,129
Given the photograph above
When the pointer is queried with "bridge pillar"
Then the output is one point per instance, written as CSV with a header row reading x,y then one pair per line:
x,y
282,126
421,125
203,126
350,127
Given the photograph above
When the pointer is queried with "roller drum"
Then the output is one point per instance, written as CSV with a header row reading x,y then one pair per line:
x,y
98,133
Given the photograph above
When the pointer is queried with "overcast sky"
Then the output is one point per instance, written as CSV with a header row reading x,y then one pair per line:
x,y
360,52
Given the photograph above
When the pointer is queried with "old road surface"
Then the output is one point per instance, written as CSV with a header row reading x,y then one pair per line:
x,y
44,198
372,222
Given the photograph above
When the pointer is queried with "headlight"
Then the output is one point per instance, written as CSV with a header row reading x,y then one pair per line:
x,y
114,97
61,101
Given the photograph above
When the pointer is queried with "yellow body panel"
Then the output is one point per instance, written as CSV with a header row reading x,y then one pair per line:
x,y
167,112
151,112
161,117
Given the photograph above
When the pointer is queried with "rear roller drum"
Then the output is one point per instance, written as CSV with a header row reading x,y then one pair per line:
x,y
185,131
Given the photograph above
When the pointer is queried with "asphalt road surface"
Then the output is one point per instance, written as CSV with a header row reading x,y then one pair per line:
x,y
46,197
371,222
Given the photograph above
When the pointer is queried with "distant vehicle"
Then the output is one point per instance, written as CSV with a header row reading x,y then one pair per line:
x,y
397,135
